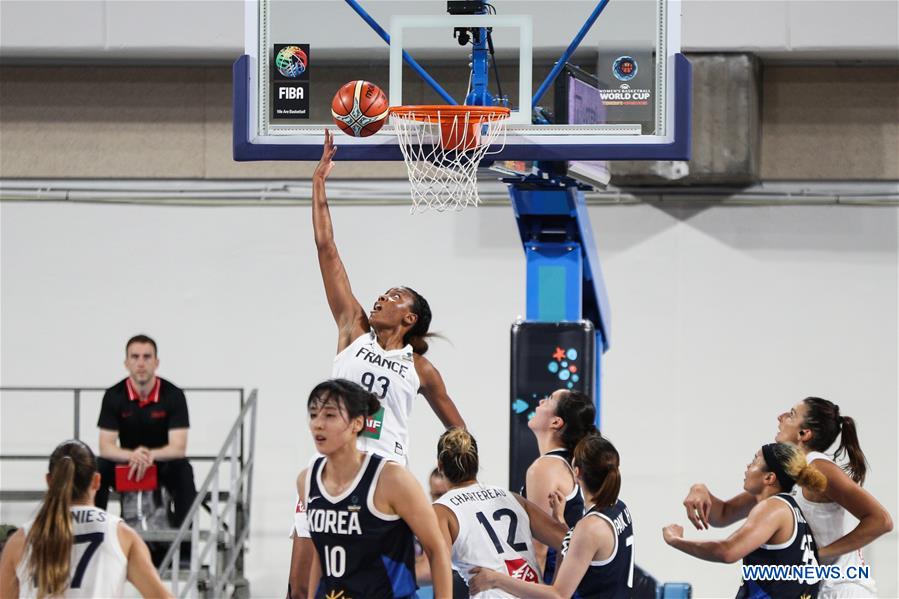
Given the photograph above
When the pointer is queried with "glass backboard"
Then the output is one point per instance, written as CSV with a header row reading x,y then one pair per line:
x,y
510,53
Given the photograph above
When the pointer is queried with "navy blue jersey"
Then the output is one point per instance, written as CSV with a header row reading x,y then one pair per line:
x,y
363,553
612,577
574,510
799,550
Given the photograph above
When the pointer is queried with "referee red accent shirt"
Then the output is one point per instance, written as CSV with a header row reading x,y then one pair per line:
x,y
144,422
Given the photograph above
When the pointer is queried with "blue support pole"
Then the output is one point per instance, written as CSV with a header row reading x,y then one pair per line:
x,y
480,69
568,52
406,56
564,280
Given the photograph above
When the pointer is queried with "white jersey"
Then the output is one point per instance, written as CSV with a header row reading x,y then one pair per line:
x,y
391,376
828,523
98,565
494,533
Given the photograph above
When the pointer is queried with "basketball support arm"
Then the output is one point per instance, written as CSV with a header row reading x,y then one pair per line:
x,y
407,58
557,68
564,279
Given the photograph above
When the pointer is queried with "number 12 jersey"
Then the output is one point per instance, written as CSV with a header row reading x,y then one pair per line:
x,y
494,533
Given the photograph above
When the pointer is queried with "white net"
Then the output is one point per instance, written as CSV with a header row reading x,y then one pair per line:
x,y
442,147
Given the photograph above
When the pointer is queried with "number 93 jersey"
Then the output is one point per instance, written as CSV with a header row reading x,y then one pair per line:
x,y
98,566
391,376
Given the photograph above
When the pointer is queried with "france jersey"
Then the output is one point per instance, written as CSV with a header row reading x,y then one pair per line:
x,y
392,377
799,550
573,511
612,577
98,566
494,533
362,552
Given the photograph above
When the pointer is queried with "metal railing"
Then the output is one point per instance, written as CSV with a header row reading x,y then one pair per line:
x,y
77,393
229,528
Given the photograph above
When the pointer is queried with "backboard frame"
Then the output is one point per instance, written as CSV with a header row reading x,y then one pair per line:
x,y
524,142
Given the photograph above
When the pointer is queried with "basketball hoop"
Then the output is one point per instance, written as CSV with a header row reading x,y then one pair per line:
x,y
442,147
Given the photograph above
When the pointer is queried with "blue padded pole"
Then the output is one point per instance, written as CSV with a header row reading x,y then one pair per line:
x,y
480,95
406,57
568,52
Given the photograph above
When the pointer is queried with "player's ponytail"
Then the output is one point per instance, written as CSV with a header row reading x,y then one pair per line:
x,y
49,541
598,462
457,455
578,413
788,464
418,335
810,477
858,465
824,420
341,392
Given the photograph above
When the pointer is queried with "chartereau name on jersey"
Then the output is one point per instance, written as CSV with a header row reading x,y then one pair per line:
x,y
335,522
371,357
480,495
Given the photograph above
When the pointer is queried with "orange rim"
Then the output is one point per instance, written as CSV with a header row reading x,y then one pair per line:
x,y
442,112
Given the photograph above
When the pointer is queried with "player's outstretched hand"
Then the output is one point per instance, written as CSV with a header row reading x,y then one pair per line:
x,y
672,532
327,162
698,504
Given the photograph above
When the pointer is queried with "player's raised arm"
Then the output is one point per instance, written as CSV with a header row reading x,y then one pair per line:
x,y
348,313
434,391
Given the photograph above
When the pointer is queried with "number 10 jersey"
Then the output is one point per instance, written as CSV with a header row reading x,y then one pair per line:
x,y
391,376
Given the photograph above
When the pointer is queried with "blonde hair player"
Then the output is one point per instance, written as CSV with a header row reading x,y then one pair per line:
x,y
775,532
813,425
486,526
71,548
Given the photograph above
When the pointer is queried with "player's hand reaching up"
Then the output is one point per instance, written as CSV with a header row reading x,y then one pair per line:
x,y
327,162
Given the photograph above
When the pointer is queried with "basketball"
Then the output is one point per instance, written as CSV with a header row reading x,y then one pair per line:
x,y
359,108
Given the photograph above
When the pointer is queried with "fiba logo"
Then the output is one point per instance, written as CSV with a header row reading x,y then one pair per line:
x,y
291,61
624,68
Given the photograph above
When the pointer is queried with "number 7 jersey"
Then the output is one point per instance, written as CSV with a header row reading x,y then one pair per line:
x,y
391,376
98,566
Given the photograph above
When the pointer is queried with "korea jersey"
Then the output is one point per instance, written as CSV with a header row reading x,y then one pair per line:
x,y
98,566
362,552
799,550
391,376
572,512
612,577
494,533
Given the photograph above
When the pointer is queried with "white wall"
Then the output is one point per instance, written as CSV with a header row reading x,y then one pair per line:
x,y
723,317
213,29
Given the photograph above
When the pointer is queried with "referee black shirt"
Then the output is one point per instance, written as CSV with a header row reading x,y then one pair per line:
x,y
143,423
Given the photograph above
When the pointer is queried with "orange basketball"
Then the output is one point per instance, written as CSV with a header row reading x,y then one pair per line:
x,y
359,108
